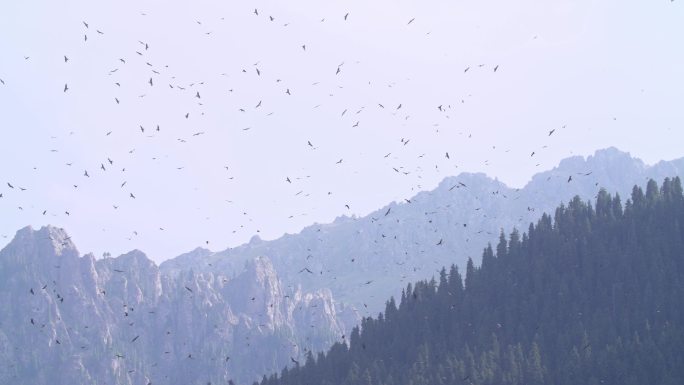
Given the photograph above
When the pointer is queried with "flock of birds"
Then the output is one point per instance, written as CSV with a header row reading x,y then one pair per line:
x,y
161,76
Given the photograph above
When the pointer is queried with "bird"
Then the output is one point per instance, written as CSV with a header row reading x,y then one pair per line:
x,y
440,242
85,173
569,178
295,361
66,59
306,269
552,131
411,21
496,68
132,196
345,16
9,185
256,12
188,289
135,338
66,87
388,211
151,83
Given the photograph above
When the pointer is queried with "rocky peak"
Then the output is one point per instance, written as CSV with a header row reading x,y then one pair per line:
x,y
47,249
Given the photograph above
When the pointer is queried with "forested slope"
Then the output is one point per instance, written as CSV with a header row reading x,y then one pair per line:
x,y
592,295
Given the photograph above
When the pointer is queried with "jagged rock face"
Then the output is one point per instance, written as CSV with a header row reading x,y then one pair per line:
x,y
67,319
400,243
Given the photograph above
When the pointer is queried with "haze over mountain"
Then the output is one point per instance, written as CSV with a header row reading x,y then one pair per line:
x,y
72,319
364,261
264,303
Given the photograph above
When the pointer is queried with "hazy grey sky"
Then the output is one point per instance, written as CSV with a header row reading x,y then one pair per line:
x,y
602,73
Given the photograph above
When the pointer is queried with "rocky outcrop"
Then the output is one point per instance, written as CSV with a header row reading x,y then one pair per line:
x,y
71,319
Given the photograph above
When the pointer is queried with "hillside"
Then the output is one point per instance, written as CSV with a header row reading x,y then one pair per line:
x,y
589,295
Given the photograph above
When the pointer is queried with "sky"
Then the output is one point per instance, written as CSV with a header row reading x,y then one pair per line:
x,y
276,115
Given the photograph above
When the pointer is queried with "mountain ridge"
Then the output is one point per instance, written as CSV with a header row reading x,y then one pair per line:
x,y
388,245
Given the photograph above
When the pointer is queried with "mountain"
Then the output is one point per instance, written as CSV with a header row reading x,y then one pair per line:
x,y
71,319
590,295
365,260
